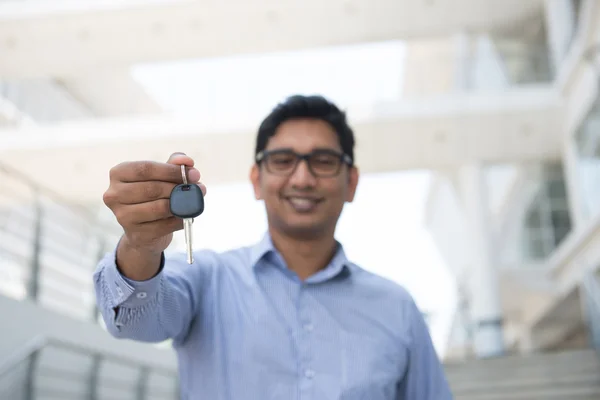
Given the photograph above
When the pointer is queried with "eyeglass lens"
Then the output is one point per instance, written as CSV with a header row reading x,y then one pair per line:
x,y
321,163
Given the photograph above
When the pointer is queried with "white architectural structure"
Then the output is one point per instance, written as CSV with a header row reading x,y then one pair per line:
x,y
499,100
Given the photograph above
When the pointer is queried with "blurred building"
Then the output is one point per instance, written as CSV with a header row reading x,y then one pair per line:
x,y
499,100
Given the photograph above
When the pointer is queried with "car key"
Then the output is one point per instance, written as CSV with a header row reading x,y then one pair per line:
x,y
187,202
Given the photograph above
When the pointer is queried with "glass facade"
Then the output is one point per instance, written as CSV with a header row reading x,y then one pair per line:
x,y
587,141
547,220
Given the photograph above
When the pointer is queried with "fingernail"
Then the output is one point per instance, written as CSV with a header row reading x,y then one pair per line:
x,y
193,175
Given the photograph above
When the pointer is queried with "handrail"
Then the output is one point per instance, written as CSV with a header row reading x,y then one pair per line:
x,y
22,354
38,188
50,239
42,341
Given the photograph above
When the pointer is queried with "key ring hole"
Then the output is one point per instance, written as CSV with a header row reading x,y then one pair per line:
x,y
185,188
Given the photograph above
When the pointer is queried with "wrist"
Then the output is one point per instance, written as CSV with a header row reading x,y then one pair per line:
x,y
141,249
139,263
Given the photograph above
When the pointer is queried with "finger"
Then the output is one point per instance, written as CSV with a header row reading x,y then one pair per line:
x,y
136,214
162,227
193,175
180,159
143,192
202,188
150,232
143,171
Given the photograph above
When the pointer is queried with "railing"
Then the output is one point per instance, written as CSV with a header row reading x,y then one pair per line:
x,y
49,247
52,368
591,291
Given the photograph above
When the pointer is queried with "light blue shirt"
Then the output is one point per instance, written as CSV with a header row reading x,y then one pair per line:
x,y
246,328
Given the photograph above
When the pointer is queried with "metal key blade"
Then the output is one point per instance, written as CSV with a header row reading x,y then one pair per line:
x,y
187,228
186,202
187,225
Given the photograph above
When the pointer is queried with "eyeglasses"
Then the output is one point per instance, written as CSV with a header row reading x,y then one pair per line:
x,y
323,163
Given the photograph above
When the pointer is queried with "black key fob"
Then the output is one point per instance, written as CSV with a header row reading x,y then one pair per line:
x,y
186,201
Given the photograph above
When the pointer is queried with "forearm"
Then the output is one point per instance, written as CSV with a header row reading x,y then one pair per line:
x,y
135,263
152,310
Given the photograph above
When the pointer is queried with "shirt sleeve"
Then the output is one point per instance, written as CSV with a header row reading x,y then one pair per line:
x,y
154,310
424,378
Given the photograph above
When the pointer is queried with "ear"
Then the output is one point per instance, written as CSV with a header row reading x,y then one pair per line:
x,y
353,176
255,180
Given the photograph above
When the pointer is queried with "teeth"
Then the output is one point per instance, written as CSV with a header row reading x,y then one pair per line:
x,y
302,204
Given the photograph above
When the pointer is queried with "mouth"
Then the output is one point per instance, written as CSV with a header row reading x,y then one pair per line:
x,y
303,204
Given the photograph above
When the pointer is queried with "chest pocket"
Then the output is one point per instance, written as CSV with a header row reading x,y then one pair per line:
x,y
371,367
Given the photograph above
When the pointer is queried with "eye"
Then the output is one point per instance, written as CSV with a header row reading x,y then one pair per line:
x,y
325,159
281,159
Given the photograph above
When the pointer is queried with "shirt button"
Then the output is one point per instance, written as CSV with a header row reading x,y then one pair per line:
x,y
308,327
309,373
141,295
119,291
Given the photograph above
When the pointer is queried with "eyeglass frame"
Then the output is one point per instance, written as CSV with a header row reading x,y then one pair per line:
x,y
343,157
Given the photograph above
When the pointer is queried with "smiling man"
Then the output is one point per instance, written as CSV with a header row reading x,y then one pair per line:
x,y
288,318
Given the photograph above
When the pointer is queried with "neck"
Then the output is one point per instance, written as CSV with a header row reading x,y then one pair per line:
x,y
304,256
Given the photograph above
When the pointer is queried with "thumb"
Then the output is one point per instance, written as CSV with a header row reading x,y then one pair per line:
x,y
180,158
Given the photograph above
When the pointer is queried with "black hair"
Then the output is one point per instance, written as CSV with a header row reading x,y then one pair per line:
x,y
299,106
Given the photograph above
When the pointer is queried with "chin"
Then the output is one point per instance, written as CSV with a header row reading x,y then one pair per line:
x,y
303,230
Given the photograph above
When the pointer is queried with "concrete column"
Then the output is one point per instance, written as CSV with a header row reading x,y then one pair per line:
x,y
526,342
560,25
479,65
463,62
573,185
488,69
486,308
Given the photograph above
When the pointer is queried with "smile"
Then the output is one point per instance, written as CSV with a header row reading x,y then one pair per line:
x,y
303,204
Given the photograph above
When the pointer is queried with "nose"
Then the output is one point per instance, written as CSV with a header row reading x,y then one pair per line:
x,y
302,177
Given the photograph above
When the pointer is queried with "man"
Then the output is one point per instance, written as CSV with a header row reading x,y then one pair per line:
x,y
288,318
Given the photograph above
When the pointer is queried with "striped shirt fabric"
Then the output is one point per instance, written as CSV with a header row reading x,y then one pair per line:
x,y
246,328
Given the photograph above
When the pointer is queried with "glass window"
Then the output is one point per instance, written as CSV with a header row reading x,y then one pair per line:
x,y
547,220
534,219
587,142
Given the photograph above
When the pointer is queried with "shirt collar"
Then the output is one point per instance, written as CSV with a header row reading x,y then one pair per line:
x,y
261,249
338,264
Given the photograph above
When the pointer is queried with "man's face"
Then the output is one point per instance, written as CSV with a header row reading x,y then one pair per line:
x,y
298,201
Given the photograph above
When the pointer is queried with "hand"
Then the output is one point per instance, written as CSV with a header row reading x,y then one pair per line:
x,y
138,196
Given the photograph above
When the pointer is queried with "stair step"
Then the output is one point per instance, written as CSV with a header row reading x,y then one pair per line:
x,y
578,393
580,356
524,382
573,375
540,371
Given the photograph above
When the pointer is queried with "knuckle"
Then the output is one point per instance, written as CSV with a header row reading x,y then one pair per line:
x,y
142,170
116,171
152,191
109,197
113,173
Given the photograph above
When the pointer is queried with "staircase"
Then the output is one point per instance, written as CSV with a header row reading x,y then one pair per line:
x,y
566,375
45,355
